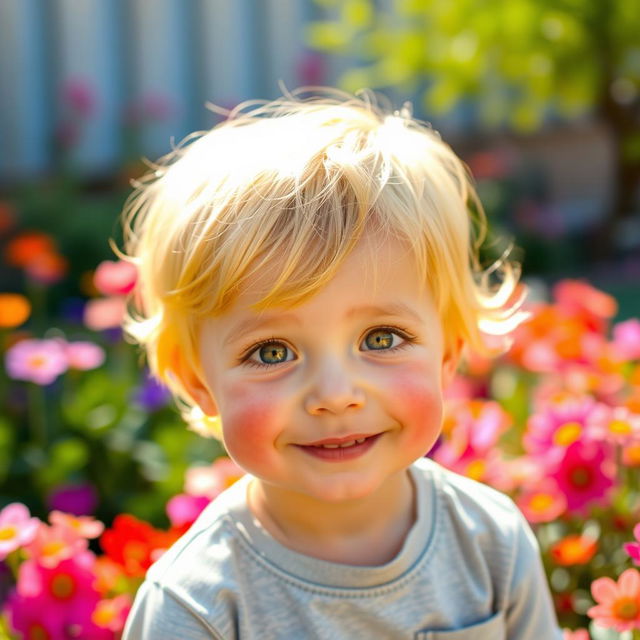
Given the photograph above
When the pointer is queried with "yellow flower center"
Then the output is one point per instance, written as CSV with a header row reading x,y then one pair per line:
x,y
476,469
38,632
62,586
103,614
541,502
567,434
626,609
580,477
51,548
6,533
620,427
37,362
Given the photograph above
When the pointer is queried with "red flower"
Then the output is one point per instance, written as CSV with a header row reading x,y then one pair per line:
x,y
135,545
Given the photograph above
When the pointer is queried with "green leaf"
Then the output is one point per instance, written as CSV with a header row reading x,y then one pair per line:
x,y
327,36
357,13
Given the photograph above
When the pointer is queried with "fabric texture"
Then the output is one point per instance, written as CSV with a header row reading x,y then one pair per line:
x,y
469,568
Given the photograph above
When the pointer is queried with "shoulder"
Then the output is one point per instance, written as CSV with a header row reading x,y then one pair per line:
x,y
197,577
478,515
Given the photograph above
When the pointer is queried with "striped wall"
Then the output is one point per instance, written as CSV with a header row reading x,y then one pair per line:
x,y
91,81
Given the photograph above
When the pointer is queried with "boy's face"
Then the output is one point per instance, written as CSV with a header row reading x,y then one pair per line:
x,y
362,361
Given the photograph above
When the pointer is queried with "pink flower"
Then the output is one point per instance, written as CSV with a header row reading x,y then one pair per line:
x,y
39,361
54,544
115,278
84,355
542,501
560,424
83,526
586,475
618,602
633,548
183,509
104,313
578,634
620,427
79,96
17,528
213,479
112,614
64,596
626,339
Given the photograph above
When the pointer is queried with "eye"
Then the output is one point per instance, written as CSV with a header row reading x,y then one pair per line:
x,y
384,339
270,353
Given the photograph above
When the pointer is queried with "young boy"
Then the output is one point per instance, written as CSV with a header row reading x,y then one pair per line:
x,y
307,281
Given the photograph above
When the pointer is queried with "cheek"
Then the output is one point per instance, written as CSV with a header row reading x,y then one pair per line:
x,y
417,399
250,425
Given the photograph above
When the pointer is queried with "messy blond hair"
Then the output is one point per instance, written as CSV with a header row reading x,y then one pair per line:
x,y
299,180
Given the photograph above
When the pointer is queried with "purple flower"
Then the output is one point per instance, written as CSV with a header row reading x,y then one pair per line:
x,y
152,395
39,361
79,500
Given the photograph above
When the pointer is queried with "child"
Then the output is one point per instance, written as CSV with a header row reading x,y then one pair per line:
x,y
307,282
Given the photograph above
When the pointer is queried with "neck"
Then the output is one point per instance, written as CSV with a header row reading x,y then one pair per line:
x,y
366,531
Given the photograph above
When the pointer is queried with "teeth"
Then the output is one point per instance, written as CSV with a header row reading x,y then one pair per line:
x,y
344,444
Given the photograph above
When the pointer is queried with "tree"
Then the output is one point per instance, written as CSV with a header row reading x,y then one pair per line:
x,y
520,61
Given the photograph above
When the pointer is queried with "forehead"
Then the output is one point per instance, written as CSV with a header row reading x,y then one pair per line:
x,y
380,272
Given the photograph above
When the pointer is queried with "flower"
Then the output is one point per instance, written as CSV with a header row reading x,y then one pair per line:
x,y
39,361
591,305
64,596
626,339
15,309
104,313
53,544
84,355
47,268
17,528
558,424
112,614
151,394
573,549
84,526
183,509
27,247
618,602
585,475
79,97
633,548
115,278
79,500
213,479
578,634
135,545
542,501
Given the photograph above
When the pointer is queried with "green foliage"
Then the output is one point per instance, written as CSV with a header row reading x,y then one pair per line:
x,y
517,60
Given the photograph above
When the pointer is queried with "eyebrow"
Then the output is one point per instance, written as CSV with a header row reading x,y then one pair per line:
x,y
259,322
394,309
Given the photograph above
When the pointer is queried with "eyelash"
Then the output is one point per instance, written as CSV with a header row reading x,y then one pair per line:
x,y
406,336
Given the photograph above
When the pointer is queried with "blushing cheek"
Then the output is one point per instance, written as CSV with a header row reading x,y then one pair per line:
x,y
250,428
418,400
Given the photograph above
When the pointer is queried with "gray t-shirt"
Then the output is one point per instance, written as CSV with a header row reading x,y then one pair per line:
x,y
469,570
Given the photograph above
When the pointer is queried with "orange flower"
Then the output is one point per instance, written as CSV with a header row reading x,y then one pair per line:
x,y
14,310
48,267
573,549
27,247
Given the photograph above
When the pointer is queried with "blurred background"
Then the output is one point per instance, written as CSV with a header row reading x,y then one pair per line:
x,y
541,98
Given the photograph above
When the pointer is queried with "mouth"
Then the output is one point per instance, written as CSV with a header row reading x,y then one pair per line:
x,y
339,449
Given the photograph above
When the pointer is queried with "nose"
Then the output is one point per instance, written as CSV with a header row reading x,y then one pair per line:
x,y
333,390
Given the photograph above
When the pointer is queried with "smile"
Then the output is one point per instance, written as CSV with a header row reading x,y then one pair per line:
x,y
340,449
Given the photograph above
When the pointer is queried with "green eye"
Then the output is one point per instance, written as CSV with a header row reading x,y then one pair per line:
x,y
379,339
273,353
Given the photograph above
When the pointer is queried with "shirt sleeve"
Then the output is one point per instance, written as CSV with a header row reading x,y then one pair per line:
x,y
159,615
529,613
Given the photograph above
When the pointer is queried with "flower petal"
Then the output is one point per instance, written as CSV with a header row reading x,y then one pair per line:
x,y
604,589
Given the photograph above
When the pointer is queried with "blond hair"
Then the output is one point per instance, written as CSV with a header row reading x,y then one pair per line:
x,y
299,180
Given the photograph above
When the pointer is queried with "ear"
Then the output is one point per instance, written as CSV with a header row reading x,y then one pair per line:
x,y
450,361
193,384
